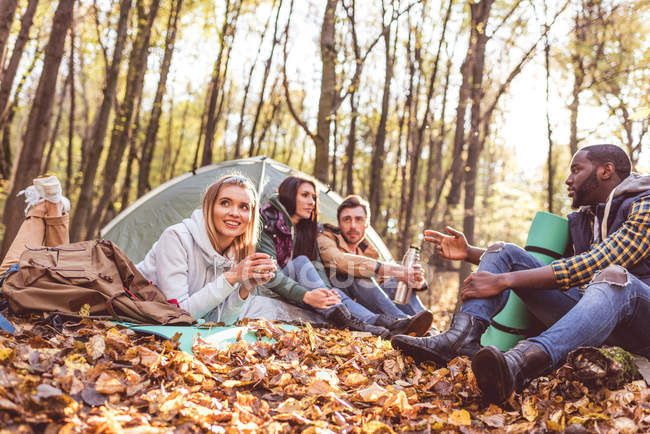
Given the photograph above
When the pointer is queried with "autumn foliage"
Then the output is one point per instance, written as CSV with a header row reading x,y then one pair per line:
x,y
91,376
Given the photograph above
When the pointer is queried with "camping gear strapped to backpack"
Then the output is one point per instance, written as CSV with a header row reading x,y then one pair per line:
x,y
89,278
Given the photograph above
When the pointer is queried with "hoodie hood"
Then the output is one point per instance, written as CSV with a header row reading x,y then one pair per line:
x,y
633,184
196,227
275,201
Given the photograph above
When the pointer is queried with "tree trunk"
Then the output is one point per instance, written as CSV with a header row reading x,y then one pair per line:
x,y
350,149
549,131
149,145
228,30
578,79
480,14
435,160
255,144
181,139
378,155
8,75
453,196
5,157
328,91
100,125
123,125
31,154
55,131
71,118
7,12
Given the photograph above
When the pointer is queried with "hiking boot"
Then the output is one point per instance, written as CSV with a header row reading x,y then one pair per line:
x,y
340,317
499,374
462,339
416,325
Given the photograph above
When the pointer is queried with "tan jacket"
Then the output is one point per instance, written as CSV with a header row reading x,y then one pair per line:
x,y
339,259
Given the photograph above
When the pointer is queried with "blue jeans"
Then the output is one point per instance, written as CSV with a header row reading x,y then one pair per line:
x,y
370,295
303,271
607,311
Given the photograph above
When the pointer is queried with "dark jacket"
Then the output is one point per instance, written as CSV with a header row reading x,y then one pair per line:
x,y
612,215
277,240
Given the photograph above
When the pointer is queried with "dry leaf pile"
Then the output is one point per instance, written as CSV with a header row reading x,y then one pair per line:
x,y
94,377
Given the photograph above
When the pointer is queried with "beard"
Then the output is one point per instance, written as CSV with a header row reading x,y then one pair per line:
x,y
584,190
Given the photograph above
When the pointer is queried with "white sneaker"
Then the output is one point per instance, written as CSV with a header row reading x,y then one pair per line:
x,y
45,189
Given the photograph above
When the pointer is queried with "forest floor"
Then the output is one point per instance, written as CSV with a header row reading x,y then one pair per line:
x,y
90,376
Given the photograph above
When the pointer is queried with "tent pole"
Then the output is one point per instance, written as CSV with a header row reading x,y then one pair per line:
x,y
259,186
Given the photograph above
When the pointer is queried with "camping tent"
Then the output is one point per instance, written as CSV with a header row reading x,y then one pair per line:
x,y
139,226
136,228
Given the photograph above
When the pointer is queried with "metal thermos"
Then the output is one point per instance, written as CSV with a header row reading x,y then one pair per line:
x,y
402,291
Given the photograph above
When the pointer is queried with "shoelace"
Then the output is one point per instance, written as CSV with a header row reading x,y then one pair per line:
x,y
33,197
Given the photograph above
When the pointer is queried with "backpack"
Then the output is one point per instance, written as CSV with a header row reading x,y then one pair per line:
x,y
90,278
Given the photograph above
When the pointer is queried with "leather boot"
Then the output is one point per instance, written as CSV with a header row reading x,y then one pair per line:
x,y
340,316
499,374
416,325
462,339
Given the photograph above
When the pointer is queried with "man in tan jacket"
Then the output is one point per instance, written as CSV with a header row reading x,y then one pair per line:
x,y
354,266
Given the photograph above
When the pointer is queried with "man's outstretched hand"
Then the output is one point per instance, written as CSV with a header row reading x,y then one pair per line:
x,y
452,246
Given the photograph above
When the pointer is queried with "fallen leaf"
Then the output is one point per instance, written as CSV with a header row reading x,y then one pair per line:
x,y
95,347
355,379
45,391
372,393
528,410
460,418
107,383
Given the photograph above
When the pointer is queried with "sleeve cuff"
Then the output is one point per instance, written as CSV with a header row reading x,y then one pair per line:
x,y
561,272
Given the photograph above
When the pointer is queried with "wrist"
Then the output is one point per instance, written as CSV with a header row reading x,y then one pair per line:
x,y
231,277
505,281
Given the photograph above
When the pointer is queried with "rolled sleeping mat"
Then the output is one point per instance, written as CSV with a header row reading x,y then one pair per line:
x,y
547,240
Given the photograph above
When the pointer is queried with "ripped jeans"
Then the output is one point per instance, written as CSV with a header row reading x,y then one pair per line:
x,y
614,308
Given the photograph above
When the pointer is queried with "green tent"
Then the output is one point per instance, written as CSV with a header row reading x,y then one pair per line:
x,y
139,226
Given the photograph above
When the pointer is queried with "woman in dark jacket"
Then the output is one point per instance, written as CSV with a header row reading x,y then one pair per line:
x,y
290,226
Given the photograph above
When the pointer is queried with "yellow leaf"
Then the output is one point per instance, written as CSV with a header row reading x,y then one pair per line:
x,y
528,410
460,417
376,427
5,353
85,310
355,379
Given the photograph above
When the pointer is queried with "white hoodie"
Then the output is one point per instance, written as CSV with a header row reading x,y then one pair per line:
x,y
186,268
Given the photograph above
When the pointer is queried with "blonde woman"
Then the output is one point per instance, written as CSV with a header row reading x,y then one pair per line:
x,y
207,264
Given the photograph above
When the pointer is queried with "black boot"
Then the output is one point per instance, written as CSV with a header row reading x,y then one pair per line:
x,y
462,339
340,316
416,325
499,374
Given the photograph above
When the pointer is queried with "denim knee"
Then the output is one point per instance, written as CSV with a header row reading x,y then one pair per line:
x,y
502,248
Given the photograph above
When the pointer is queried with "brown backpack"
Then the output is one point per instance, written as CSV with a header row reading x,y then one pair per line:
x,y
89,278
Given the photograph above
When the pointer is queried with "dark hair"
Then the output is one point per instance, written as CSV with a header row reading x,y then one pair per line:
x,y
306,229
602,154
353,201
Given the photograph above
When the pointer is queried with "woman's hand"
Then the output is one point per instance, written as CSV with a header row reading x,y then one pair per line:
x,y
482,285
253,270
322,298
452,246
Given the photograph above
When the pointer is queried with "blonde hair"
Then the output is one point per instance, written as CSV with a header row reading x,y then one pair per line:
x,y
244,244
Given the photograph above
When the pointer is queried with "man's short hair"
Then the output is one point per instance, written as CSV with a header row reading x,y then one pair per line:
x,y
353,201
602,154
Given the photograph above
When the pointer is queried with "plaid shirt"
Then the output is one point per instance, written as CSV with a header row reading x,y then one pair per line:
x,y
625,247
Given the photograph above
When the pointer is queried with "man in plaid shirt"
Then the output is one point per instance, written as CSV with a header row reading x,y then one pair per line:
x,y
599,295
